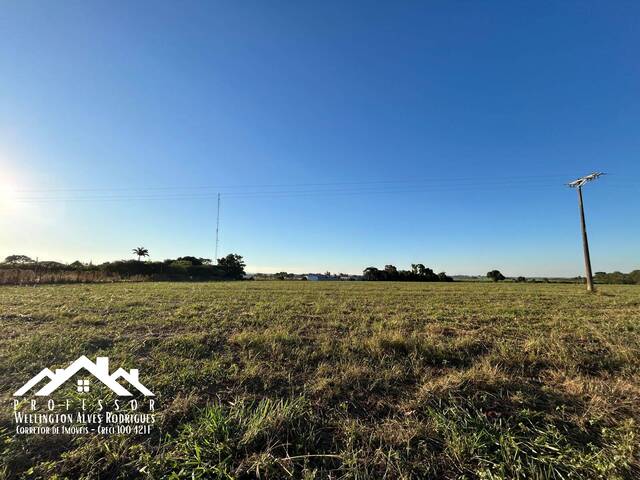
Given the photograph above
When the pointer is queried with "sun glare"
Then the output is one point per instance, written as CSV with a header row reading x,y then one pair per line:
x,y
9,195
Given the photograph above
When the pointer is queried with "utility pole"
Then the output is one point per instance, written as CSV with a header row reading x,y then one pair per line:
x,y
215,260
585,242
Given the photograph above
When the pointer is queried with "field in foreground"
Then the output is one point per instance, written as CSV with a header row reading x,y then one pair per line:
x,y
339,380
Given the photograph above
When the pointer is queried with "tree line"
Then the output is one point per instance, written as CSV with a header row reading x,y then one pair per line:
x,y
230,267
418,273
631,278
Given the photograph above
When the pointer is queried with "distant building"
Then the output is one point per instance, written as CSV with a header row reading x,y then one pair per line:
x,y
351,277
316,277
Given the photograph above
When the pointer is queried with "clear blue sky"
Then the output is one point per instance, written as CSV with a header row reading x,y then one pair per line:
x,y
474,113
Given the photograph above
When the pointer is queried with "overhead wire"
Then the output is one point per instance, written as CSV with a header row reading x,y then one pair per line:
x,y
434,184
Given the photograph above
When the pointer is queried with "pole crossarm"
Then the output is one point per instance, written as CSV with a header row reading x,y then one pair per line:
x,y
587,178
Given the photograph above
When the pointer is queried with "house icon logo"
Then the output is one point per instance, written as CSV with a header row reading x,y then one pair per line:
x,y
99,369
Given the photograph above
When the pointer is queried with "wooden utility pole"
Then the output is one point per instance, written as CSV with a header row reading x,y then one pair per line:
x,y
585,242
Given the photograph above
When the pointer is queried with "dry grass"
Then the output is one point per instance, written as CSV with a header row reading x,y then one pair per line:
x,y
21,276
341,380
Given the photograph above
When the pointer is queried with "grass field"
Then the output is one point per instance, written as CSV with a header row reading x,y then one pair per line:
x,y
339,380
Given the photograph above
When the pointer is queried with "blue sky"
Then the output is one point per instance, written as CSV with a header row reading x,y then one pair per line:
x,y
400,132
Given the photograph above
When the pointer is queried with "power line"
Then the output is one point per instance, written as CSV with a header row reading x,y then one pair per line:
x,y
180,191
276,194
282,185
364,190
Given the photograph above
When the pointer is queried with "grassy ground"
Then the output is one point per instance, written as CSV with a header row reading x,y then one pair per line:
x,y
340,380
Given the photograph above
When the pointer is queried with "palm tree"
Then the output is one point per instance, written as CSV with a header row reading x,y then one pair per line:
x,y
140,252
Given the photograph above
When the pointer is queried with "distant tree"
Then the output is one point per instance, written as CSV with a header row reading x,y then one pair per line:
x,y
419,269
630,278
194,260
429,275
521,279
495,275
390,272
443,277
190,259
140,252
180,264
233,265
371,273
418,273
52,264
18,259
76,264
